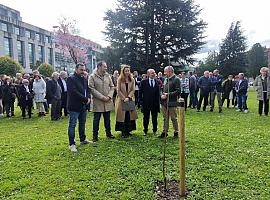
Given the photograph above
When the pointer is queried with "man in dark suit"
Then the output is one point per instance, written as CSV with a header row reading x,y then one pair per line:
x,y
63,84
25,97
53,95
78,95
137,87
149,99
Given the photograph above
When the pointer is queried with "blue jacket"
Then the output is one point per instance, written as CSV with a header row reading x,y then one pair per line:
x,y
216,83
204,84
241,89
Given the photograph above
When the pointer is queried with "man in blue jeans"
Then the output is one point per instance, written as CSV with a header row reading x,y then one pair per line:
x,y
78,97
241,88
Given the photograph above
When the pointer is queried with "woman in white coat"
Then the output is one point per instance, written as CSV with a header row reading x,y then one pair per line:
x,y
39,88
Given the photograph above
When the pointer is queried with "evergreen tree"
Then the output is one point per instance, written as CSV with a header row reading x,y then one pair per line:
x,y
232,57
256,60
147,32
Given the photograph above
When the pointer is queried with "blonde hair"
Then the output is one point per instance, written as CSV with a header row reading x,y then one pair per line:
x,y
264,69
121,77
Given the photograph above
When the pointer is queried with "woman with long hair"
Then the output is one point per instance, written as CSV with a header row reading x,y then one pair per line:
x,y
125,120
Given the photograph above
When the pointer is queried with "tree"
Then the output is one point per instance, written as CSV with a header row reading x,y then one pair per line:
x,y
112,58
147,32
46,69
9,67
232,56
209,64
256,59
69,42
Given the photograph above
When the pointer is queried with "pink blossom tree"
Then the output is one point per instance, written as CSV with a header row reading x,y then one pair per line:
x,y
67,39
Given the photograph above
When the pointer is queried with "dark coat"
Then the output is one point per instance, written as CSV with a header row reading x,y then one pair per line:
x,y
51,87
150,96
25,98
77,93
241,89
204,84
172,86
63,94
227,88
217,83
9,93
1,89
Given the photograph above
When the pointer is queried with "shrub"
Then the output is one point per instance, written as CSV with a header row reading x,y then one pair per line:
x,y
46,69
9,66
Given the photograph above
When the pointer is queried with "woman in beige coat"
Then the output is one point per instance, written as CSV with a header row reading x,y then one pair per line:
x,y
262,86
125,120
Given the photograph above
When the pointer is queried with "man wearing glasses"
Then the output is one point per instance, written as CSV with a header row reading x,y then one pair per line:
x,y
78,98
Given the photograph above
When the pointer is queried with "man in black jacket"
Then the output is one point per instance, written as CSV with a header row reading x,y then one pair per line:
x,y
78,98
204,84
169,99
149,100
25,97
53,95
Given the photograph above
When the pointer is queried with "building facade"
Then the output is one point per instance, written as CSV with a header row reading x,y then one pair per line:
x,y
31,45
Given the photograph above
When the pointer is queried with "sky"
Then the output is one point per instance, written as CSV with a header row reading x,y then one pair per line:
x,y
219,14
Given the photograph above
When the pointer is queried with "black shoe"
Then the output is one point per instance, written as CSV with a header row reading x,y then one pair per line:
x,y
163,135
198,110
175,134
8,116
110,136
220,110
95,139
211,110
12,115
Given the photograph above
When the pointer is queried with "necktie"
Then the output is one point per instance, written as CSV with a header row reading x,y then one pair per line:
x,y
152,83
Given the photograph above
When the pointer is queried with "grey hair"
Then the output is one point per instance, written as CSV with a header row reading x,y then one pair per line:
x,y
55,74
241,74
25,80
148,71
63,73
169,68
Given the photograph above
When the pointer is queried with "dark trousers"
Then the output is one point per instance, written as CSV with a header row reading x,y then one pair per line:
x,y
185,97
27,107
137,98
193,100
55,109
228,102
203,97
264,102
64,104
9,108
146,117
46,106
107,123
73,117
234,100
242,102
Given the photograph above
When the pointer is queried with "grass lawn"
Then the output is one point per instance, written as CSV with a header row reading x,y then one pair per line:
x,y
227,158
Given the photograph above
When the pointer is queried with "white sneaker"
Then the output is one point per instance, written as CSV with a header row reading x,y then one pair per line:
x,y
245,111
238,110
1,115
73,148
232,106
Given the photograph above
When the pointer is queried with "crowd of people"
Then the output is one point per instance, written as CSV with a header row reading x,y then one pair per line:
x,y
125,92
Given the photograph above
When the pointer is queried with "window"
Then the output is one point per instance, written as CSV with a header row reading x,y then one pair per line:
x,y
40,53
38,37
48,39
20,52
28,34
7,46
17,30
4,27
31,54
50,55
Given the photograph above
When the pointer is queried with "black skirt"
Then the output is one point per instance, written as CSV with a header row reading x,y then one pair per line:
x,y
126,126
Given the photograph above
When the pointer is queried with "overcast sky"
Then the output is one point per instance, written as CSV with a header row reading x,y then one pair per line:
x,y
219,14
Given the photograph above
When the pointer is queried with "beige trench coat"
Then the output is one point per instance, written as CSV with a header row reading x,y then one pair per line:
x,y
101,86
121,95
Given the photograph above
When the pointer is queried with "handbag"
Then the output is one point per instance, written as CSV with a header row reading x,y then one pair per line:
x,y
128,106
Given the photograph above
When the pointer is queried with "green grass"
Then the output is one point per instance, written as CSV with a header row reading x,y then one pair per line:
x,y
227,158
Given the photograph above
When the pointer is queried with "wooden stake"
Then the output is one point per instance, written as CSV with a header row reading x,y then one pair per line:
x,y
182,152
